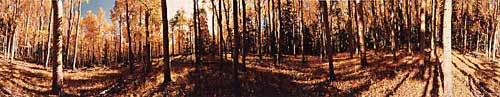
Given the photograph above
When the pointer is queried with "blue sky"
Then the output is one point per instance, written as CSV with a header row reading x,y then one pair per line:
x,y
107,5
94,5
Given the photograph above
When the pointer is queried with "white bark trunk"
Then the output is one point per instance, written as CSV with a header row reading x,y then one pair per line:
x,y
447,56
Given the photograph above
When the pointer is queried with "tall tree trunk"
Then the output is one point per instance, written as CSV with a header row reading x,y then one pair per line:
x,y
200,41
259,21
221,37
197,34
56,61
350,25
14,44
489,39
68,33
374,30
321,42
434,29
236,46
13,41
9,39
361,37
278,40
393,33
326,28
270,27
485,45
447,57
409,26
9,47
422,32
120,58
301,4
49,37
76,36
38,37
273,30
226,46
465,27
293,39
495,43
166,57
421,37
130,53
381,22
245,36
495,34
23,49
148,44
213,26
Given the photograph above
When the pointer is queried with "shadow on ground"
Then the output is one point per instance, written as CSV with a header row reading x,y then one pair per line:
x,y
27,79
292,78
263,78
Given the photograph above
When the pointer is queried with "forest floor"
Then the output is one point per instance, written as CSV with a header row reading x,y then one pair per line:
x,y
473,76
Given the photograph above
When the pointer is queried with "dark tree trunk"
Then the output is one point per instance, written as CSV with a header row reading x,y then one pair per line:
x,y
148,44
301,4
351,31
278,40
361,38
326,28
270,28
221,33
68,34
236,46
245,36
259,21
226,46
120,58
130,53
408,26
166,59
56,61
393,33
213,45
197,40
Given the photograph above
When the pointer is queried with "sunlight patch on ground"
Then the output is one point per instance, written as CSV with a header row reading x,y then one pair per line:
x,y
93,86
88,75
278,71
311,81
181,74
346,62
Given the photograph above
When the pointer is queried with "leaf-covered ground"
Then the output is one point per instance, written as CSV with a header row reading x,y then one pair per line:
x,y
473,76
